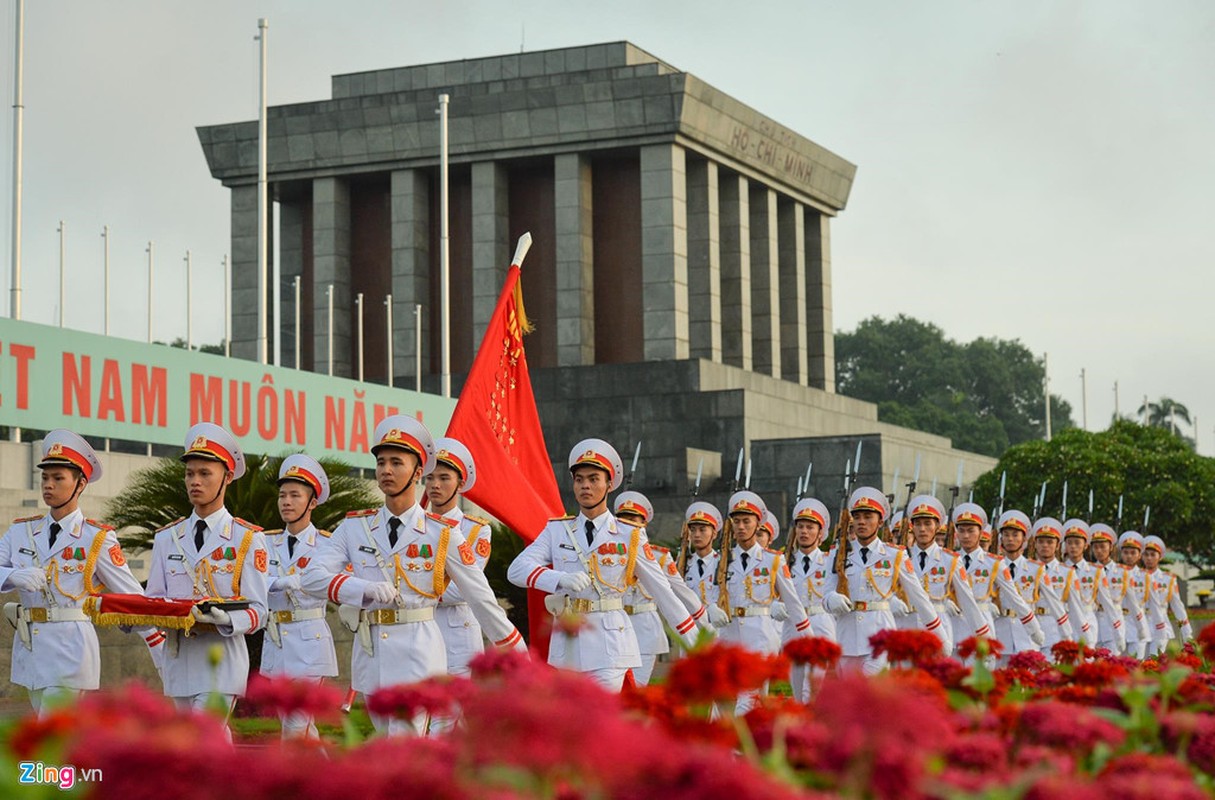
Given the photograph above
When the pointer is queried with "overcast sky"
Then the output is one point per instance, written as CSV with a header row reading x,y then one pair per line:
x,y
1032,170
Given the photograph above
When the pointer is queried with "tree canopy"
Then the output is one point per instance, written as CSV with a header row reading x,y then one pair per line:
x,y
155,496
984,395
1147,466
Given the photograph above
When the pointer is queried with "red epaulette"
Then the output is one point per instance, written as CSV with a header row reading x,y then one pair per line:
x,y
27,519
99,525
478,520
774,552
248,525
367,512
326,534
274,532
562,519
441,520
171,524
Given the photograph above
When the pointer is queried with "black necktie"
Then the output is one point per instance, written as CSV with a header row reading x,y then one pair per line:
x,y
966,560
1012,569
393,524
291,544
864,555
700,567
923,559
806,564
744,562
54,533
200,533
589,527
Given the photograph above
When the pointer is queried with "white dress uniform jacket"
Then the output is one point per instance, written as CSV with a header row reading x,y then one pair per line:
x,y
86,559
1128,587
460,629
1095,597
1059,580
1028,578
701,577
401,642
298,640
997,595
1164,594
750,591
808,574
233,562
948,586
871,582
607,639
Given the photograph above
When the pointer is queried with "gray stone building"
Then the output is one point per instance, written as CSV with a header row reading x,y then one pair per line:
x,y
680,278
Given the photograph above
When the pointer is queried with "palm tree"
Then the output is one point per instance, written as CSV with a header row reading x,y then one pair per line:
x,y
156,496
1164,414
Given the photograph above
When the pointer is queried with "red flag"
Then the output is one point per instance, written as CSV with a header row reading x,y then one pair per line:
x,y
496,418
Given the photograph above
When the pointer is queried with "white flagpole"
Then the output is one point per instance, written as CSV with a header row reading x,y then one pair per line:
x,y
262,29
444,249
18,128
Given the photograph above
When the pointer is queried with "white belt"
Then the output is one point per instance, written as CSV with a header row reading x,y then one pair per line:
x,y
989,607
39,614
876,605
641,608
815,608
580,606
399,616
285,617
752,611
453,605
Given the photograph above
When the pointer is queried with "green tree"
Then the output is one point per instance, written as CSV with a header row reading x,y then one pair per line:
x,y
1166,413
1146,466
984,395
155,496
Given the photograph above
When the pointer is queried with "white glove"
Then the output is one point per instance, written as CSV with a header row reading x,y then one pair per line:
x,y
1035,633
1143,630
380,592
717,617
215,616
1187,631
778,611
952,608
285,582
898,607
574,581
837,604
29,579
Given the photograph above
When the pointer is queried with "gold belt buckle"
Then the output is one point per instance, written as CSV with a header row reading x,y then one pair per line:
x,y
39,615
628,610
202,627
580,605
283,616
1041,611
741,611
383,616
860,605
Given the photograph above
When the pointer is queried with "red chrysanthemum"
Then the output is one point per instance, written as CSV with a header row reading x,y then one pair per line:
x,y
1066,651
981,646
721,671
431,696
1067,727
285,695
814,651
1098,673
906,646
1029,660
1206,643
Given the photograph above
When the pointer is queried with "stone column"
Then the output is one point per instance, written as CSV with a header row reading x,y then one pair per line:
x,y
491,249
331,265
410,214
791,231
572,216
244,272
664,251
765,282
291,255
820,335
704,261
735,221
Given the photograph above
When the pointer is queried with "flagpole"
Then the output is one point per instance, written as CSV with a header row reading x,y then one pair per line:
x,y
18,128
444,249
388,306
262,28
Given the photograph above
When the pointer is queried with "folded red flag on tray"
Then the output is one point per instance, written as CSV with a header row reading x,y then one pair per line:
x,y
136,610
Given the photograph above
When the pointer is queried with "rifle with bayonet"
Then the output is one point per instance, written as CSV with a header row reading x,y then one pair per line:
x,y
843,522
685,535
628,477
727,537
996,513
904,529
803,486
951,533
886,534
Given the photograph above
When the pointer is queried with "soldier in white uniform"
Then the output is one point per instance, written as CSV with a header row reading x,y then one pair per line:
x,y
390,566
1138,635
298,641
1013,528
1163,595
211,555
587,562
769,530
943,577
55,562
1128,605
755,578
808,572
989,575
636,509
875,572
1094,587
1059,581
700,571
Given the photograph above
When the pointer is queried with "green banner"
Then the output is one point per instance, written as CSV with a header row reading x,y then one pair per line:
x,y
107,387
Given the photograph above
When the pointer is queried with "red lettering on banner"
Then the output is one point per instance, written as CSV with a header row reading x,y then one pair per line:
x,y
149,397
24,354
293,417
110,402
238,407
206,399
335,424
267,409
77,384
358,424
383,412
